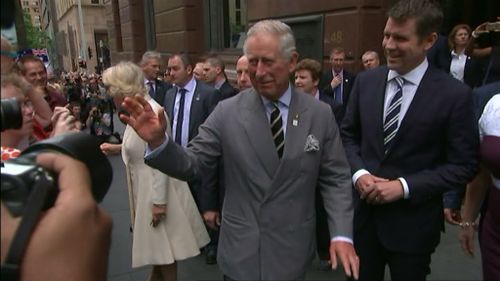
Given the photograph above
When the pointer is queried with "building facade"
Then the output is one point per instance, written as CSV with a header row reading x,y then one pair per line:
x,y
81,48
198,27
32,8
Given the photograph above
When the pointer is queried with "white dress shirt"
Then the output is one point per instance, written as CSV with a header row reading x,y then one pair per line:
x,y
457,65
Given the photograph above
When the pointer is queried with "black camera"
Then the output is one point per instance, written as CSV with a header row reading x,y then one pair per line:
x,y
11,115
20,175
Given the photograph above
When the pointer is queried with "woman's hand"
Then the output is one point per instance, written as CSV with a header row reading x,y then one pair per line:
x,y
159,212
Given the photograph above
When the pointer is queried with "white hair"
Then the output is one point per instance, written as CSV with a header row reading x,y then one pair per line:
x,y
124,79
278,28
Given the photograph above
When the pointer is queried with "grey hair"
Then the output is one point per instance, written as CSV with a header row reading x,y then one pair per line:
x,y
274,27
150,55
17,81
124,79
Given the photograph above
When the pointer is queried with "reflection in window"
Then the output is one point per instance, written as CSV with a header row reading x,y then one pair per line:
x,y
235,16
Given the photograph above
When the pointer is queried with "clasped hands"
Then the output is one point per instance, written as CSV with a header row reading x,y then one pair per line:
x,y
377,190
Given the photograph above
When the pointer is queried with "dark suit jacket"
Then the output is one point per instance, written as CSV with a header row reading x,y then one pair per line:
x,y
204,100
434,150
161,89
337,109
227,91
472,71
347,83
439,53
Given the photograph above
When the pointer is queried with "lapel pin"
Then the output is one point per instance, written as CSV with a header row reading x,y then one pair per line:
x,y
197,97
295,121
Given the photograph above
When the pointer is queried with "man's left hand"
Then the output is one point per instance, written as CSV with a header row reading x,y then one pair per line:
x,y
385,192
347,255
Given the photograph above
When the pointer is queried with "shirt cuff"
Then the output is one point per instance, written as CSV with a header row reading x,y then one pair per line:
x,y
406,190
148,154
358,174
342,239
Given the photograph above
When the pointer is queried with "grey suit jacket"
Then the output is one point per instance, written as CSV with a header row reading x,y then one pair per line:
x,y
268,218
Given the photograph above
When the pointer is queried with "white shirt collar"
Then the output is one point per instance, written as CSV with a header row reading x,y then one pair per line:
x,y
284,99
414,76
316,95
190,86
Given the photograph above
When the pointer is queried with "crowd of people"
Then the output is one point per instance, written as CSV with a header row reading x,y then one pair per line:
x,y
287,163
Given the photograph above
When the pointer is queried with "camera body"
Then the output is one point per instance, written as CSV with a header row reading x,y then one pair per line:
x,y
18,179
20,175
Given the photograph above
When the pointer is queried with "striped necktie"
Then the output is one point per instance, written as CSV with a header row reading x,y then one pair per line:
x,y
392,115
277,130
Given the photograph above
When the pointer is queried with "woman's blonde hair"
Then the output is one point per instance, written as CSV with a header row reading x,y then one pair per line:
x,y
124,79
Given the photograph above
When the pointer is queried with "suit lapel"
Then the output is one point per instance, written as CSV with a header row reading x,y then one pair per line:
x,y
196,111
169,103
378,107
257,128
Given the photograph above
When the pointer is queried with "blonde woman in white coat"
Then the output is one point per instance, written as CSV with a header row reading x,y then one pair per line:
x,y
167,226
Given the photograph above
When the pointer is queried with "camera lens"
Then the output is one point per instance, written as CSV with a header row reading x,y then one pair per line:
x,y
11,116
85,148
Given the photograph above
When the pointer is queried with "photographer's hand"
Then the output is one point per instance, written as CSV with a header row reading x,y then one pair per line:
x,y
63,121
72,239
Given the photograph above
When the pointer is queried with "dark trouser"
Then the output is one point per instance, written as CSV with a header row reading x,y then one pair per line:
x,y
374,257
214,237
322,233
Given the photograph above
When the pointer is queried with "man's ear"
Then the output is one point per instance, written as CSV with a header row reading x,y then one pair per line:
x,y
293,61
189,69
430,40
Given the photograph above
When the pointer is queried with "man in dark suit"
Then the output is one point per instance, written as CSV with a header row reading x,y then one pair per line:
x,y
150,64
410,135
213,71
198,102
188,105
278,145
337,82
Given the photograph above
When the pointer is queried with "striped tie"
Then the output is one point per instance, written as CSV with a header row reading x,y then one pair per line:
x,y
392,116
277,130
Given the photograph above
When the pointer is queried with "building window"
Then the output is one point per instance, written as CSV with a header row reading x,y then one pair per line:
x,y
226,23
94,1
149,24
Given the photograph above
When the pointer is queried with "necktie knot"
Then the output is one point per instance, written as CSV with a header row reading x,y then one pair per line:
x,y
182,91
400,81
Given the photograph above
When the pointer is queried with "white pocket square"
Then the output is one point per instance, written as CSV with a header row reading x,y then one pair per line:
x,y
312,144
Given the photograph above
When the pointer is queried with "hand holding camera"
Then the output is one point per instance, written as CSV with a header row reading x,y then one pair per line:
x,y
74,231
